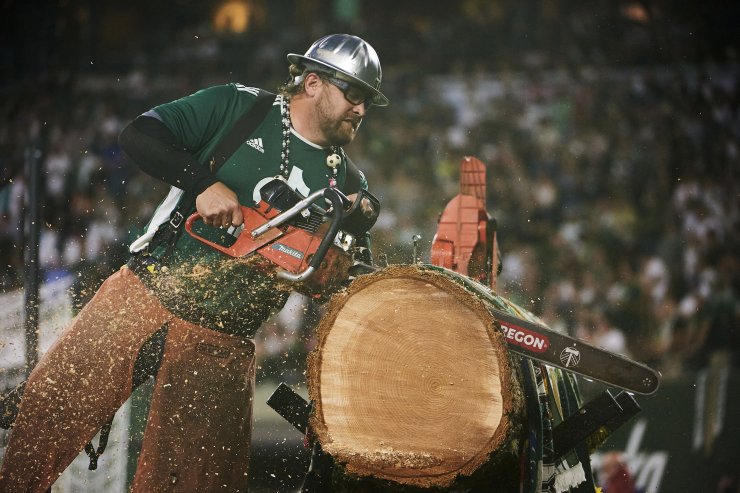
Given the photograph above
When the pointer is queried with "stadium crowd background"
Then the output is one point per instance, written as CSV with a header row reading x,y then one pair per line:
x,y
611,132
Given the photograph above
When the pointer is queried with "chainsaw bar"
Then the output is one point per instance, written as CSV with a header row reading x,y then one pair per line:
x,y
538,342
553,348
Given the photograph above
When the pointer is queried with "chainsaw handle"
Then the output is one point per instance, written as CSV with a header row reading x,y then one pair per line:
x,y
335,197
196,217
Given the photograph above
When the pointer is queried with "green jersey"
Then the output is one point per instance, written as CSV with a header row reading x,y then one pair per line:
x,y
199,283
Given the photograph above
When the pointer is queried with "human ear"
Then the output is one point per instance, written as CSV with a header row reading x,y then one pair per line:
x,y
312,84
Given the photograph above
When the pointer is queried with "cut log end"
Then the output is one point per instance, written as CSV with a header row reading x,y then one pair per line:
x,y
411,382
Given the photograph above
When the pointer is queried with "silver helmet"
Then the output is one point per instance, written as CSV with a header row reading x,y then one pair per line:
x,y
347,57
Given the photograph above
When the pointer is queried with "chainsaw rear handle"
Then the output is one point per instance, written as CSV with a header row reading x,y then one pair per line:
x,y
195,217
337,200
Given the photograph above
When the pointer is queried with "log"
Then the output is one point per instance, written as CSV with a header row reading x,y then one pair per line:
x,y
413,387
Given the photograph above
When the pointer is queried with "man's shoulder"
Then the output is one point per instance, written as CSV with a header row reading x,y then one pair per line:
x,y
229,93
246,97
246,91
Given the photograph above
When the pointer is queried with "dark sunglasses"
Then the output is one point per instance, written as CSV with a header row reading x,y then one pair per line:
x,y
353,94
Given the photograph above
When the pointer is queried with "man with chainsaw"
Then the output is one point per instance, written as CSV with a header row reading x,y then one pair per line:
x,y
186,310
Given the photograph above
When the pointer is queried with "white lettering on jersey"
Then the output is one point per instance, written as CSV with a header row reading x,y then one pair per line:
x,y
295,181
251,90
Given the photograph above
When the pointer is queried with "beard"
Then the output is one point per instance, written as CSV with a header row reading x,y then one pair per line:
x,y
338,129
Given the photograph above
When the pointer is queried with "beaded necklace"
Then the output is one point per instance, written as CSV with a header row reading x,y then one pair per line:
x,y
333,160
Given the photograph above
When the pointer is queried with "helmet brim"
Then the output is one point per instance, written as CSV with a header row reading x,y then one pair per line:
x,y
378,99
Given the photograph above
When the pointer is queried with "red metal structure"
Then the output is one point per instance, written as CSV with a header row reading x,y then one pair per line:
x,y
466,235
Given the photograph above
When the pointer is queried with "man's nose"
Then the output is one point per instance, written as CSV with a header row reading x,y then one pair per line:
x,y
360,109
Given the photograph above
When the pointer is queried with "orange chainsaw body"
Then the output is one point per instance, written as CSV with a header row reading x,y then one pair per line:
x,y
288,247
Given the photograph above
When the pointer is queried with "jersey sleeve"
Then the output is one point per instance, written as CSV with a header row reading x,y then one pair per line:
x,y
198,120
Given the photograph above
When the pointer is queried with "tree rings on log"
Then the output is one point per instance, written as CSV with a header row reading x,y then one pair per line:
x,y
412,382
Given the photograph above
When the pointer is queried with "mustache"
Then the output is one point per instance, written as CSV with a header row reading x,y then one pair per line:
x,y
354,120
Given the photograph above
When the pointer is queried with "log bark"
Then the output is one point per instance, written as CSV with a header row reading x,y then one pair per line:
x,y
413,386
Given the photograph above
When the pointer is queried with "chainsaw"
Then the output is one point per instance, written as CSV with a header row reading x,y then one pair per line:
x,y
309,244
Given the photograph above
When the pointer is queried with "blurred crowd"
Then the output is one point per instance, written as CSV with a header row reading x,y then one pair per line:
x,y
616,198
613,186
